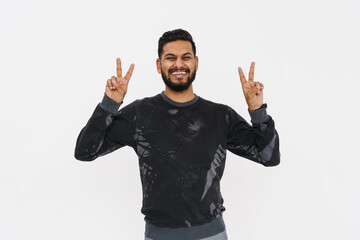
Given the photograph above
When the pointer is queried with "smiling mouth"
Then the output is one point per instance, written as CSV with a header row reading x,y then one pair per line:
x,y
179,74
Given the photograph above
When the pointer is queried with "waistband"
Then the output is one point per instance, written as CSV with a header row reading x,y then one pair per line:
x,y
196,232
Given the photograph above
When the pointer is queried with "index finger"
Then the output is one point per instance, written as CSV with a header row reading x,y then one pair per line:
x,y
118,67
242,76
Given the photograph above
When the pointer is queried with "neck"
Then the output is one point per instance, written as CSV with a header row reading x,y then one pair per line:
x,y
181,97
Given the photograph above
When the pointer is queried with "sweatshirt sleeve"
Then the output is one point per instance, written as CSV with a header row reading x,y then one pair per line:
x,y
259,142
106,131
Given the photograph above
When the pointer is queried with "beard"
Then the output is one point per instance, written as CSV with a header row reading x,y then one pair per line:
x,y
178,87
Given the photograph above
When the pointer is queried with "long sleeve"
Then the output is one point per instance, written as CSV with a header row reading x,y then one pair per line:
x,y
106,130
259,143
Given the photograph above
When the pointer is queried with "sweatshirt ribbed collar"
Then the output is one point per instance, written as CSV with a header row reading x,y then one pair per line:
x,y
178,104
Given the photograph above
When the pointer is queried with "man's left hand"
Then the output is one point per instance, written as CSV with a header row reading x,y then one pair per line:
x,y
253,91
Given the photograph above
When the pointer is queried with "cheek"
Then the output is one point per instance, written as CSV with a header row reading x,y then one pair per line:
x,y
165,67
192,66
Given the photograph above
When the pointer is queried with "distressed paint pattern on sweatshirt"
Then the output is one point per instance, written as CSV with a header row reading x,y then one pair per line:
x,y
181,149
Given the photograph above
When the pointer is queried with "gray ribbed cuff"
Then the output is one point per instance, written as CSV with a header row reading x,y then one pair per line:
x,y
259,115
110,105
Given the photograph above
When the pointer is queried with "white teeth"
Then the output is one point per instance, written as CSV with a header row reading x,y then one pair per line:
x,y
178,73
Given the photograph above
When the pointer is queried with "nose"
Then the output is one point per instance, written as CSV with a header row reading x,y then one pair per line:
x,y
179,63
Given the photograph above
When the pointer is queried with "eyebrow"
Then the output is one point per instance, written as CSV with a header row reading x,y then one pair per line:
x,y
170,54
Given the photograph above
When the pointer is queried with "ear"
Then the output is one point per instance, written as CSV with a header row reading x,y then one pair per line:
x,y
196,62
158,65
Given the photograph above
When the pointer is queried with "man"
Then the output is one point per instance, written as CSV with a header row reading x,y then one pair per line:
x,y
181,141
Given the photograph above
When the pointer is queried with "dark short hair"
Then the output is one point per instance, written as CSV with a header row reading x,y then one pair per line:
x,y
174,35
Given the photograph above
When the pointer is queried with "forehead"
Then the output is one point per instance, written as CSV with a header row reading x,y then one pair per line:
x,y
178,47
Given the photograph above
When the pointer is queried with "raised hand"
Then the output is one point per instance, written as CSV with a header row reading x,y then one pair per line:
x,y
252,90
116,87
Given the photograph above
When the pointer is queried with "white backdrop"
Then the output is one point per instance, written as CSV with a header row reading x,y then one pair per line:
x,y
55,58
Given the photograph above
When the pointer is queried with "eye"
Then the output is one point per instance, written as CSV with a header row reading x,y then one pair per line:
x,y
170,58
186,58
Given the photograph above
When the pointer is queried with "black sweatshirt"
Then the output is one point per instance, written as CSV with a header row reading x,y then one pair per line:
x,y
181,149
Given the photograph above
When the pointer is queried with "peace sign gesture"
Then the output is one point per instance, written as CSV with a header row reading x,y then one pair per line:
x,y
252,90
116,87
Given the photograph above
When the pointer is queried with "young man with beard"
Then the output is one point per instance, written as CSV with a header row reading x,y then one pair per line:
x,y
181,141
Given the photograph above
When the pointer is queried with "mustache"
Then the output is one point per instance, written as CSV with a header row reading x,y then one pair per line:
x,y
179,70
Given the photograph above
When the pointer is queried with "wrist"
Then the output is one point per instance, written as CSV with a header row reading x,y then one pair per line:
x,y
259,115
254,107
110,104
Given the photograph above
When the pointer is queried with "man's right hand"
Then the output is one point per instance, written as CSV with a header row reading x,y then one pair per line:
x,y
116,87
